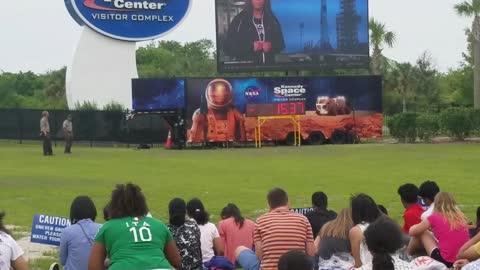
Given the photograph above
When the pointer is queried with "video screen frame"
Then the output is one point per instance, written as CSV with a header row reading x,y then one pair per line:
x,y
340,63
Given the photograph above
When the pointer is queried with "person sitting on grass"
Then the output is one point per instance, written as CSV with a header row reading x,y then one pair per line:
x,y
130,239
383,209
333,241
276,233
186,234
449,226
364,212
209,236
320,214
475,228
235,231
427,191
77,240
11,255
470,252
384,239
413,210
295,260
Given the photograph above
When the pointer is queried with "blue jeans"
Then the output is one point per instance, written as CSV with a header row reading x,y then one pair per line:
x,y
249,260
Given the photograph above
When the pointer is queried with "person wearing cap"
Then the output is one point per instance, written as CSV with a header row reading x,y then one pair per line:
x,y
45,134
68,134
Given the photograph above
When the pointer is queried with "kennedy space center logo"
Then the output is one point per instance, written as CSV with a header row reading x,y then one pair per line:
x,y
131,20
122,5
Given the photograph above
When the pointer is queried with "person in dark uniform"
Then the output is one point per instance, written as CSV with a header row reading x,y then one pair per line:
x,y
255,35
179,133
45,134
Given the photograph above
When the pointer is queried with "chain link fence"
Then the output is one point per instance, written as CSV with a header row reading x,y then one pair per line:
x,y
88,126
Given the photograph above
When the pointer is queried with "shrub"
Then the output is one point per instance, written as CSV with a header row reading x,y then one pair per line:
x,y
114,107
428,126
86,106
457,122
403,127
475,118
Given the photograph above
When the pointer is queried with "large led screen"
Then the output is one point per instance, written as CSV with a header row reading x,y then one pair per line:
x,y
255,35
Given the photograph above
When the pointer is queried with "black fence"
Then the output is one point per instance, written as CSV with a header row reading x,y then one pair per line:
x,y
90,126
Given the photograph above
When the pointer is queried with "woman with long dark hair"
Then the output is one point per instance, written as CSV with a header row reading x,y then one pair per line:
x,y
255,34
384,239
186,234
130,239
235,231
11,255
77,240
210,238
364,212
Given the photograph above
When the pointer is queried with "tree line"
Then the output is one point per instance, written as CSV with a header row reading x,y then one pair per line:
x,y
408,87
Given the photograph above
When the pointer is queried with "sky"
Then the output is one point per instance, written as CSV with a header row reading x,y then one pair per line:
x,y
40,35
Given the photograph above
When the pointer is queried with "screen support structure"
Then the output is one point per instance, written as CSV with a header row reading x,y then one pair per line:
x,y
297,136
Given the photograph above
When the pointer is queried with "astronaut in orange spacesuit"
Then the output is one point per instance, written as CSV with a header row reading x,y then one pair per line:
x,y
220,121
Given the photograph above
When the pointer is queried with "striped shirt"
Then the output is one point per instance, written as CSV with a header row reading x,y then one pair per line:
x,y
280,231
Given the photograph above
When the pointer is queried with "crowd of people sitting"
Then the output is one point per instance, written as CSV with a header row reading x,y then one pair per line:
x,y
434,236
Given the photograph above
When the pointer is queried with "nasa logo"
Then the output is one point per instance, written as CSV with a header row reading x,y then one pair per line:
x,y
252,92
130,20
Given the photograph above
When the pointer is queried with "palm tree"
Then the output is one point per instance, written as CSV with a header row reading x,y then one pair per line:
x,y
471,8
379,38
401,78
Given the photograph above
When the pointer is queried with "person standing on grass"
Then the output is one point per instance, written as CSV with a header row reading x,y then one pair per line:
x,y
68,134
45,134
11,255
77,240
276,233
130,239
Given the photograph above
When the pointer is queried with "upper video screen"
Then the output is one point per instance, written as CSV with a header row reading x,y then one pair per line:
x,y
158,94
280,35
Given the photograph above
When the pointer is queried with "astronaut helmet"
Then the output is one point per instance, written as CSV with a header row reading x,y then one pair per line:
x,y
219,94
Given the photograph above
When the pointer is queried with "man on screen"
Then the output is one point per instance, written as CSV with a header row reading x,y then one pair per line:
x,y
255,35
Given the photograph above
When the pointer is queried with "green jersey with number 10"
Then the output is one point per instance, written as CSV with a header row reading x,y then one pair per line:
x,y
135,243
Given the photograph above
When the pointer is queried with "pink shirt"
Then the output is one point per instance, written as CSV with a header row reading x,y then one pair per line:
x,y
233,237
449,241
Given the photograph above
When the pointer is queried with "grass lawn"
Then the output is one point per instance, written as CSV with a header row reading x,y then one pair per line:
x,y
31,183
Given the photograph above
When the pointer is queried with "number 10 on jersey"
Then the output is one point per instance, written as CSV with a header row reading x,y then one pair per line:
x,y
143,233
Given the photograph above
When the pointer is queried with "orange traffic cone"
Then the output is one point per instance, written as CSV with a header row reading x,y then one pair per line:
x,y
168,144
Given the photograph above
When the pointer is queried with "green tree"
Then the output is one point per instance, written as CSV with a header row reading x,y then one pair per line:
x,y
402,81
427,89
471,8
380,37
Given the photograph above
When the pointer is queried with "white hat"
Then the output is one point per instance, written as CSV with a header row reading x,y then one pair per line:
x,y
427,263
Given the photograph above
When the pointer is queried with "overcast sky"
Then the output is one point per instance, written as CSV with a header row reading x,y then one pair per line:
x,y
40,35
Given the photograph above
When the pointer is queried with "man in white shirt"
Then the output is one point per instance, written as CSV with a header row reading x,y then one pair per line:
x,y
427,191
45,134
68,134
